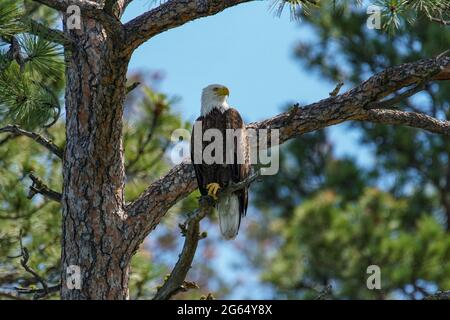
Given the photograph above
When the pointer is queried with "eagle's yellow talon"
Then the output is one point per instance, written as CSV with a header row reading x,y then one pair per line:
x,y
212,190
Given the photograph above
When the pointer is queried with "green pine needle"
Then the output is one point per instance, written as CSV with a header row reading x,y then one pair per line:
x,y
10,16
295,6
42,57
24,101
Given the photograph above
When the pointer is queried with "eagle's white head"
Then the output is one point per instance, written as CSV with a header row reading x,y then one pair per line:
x,y
214,96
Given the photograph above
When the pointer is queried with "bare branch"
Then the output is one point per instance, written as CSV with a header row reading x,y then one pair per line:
x,y
39,186
169,15
191,230
410,119
36,137
38,293
440,295
351,105
146,212
24,264
440,21
337,89
47,33
132,86
324,293
400,97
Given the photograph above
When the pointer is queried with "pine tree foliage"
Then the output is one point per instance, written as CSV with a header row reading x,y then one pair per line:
x,y
395,13
31,72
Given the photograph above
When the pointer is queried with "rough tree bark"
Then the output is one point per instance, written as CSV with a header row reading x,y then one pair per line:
x,y
100,232
93,169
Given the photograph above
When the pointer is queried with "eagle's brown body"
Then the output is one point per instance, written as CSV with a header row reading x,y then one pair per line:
x,y
223,173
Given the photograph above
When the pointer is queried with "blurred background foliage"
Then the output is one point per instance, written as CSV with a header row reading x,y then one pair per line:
x,y
332,218
320,222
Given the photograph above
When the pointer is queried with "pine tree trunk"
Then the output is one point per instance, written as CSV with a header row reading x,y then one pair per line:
x,y
93,171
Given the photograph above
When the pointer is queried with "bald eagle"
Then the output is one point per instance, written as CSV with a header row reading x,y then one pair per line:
x,y
230,163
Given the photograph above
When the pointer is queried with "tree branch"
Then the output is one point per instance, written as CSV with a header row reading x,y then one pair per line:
x,y
160,196
440,295
400,97
146,211
410,119
440,21
191,230
169,15
337,89
324,293
39,186
47,33
38,293
36,137
116,7
132,86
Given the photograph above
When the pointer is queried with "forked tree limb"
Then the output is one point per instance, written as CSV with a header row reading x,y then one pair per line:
x,y
176,282
40,187
38,293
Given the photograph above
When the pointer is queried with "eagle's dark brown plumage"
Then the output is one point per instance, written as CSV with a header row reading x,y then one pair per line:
x,y
223,173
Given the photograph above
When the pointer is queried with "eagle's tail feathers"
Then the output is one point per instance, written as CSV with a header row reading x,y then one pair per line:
x,y
229,216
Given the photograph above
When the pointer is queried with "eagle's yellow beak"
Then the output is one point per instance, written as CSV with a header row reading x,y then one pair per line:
x,y
222,92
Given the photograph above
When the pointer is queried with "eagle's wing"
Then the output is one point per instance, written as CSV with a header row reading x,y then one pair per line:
x,y
199,167
239,171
